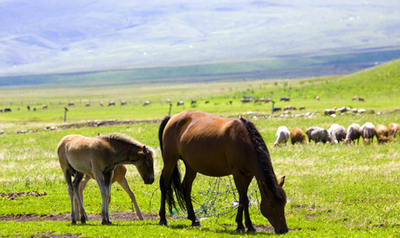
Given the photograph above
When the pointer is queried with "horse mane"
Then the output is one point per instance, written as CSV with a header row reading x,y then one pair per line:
x,y
125,139
264,158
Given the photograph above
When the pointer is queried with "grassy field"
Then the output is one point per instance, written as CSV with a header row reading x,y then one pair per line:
x,y
333,190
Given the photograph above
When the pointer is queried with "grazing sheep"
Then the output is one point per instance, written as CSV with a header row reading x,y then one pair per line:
x,y
353,133
44,106
193,102
297,136
337,132
394,129
123,102
246,100
329,112
382,133
146,103
354,98
7,109
361,99
317,97
318,134
282,135
111,103
180,103
71,104
368,132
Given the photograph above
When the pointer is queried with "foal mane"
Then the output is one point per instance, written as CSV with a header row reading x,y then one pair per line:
x,y
264,158
125,139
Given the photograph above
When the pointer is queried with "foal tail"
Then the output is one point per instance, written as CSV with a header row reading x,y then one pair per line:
x,y
175,184
264,159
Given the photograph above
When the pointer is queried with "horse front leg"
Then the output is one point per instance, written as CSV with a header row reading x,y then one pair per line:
x,y
242,184
187,190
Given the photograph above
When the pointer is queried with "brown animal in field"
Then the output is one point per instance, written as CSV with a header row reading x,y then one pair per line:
x,y
44,106
297,136
337,132
246,100
193,102
353,133
302,108
87,105
354,98
123,102
71,104
361,99
7,109
111,103
382,133
394,129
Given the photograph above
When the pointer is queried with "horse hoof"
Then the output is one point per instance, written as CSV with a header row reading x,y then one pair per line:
x,y
240,229
106,223
73,223
196,223
163,223
251,230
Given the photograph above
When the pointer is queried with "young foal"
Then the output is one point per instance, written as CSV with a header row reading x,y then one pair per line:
x,y
118,176
216,146
79,155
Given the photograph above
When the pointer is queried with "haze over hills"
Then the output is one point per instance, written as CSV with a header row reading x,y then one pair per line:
x,y
54,37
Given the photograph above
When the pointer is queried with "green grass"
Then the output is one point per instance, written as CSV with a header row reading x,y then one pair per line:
x,y
333,190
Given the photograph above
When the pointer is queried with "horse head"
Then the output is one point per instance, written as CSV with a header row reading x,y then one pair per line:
x,y
273,206
145,166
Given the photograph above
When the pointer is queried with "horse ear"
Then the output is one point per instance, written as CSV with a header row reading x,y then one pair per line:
x,y
282,181
144,150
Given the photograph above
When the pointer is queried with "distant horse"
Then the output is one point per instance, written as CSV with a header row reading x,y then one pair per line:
x,y
79,155
118,176
216,146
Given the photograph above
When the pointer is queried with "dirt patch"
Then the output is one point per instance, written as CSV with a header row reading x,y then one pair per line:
x,y
115,216
12,196
51,234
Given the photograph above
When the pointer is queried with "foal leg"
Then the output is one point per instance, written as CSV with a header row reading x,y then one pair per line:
x,y
76,184
67,177
104,181
187,189
124,184
82,186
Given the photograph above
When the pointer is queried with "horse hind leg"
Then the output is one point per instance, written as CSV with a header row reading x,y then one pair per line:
x,y
187,190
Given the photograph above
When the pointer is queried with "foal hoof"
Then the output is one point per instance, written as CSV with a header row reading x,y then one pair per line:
x,y
240,229
196,223
106,223
73,223
251,230
163,223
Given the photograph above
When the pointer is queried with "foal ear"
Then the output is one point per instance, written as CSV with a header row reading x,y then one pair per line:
x,y
282,181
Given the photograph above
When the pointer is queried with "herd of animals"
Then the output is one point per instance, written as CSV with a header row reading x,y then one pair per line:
x,y
337,133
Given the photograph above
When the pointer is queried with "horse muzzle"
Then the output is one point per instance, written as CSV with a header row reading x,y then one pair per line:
x,y
149,180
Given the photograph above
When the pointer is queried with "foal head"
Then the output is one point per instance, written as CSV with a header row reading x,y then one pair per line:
x,y
144,164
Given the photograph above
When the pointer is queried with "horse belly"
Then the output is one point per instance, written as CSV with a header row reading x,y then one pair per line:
x,y
210,163
80,161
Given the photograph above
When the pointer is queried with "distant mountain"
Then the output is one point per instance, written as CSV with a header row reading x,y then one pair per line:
x,y
38,37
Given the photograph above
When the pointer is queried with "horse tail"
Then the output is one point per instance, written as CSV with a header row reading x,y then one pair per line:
x,y
175,184
264,158
161,131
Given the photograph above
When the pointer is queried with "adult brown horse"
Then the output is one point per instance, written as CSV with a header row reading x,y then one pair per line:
x,y
98,156
216,146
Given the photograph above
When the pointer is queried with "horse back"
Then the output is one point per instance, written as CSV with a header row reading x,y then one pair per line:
x,y
209,144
